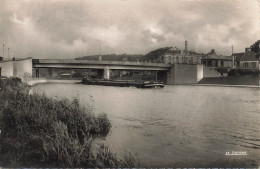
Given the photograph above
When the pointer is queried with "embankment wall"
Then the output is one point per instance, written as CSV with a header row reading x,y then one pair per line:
x,y
231,80
210,72
185,74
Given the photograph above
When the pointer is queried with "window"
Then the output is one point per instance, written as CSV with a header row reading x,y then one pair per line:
x,y
246,65
222,63
215,63
37,73
253,65
212,63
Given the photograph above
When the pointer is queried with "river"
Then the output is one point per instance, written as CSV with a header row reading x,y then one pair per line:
x,y
176,123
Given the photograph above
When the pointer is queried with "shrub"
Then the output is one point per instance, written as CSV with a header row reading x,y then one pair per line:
x,y
102,125
105,158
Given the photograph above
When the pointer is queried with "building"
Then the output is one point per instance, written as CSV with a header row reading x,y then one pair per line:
x,y
249,61
217,61
171,55
237,57
21,68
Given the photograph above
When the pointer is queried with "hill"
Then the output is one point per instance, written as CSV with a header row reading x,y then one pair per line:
x,y
156,53
112,57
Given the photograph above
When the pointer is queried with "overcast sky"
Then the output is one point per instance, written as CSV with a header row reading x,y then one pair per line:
x,y
71,28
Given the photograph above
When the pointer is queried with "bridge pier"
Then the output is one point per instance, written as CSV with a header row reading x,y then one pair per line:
x,y
185,74
106,73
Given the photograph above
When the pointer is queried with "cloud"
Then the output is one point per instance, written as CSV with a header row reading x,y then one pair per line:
x,y
74,28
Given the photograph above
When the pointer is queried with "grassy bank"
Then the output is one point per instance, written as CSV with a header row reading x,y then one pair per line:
x,y
37,131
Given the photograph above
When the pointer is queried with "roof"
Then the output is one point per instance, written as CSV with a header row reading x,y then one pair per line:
x,y
249,56
156,53
172,49
217,57
238,56
14,59
213,56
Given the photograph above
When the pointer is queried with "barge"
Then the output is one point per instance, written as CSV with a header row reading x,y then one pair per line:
x,y
123,83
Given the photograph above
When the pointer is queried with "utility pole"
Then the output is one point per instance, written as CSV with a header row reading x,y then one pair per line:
x,y
3,50
100,56
8,53
259,63
259,59
233,58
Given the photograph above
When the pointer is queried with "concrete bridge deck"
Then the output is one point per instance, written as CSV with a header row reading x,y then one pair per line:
x,y
81,64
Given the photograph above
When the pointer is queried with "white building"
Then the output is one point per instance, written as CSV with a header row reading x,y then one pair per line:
x,y
21,68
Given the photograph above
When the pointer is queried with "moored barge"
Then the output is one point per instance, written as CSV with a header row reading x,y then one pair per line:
x,y
123,83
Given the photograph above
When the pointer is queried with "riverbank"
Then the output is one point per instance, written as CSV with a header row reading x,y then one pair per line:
x,y
36,81
38,131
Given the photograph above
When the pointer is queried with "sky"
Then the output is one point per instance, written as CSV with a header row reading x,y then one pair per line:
x,y
74,28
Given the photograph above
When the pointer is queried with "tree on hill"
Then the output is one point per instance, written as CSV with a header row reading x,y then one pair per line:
x,y
255,47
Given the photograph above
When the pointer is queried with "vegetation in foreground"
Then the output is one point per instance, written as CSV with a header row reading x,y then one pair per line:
x,y
37,131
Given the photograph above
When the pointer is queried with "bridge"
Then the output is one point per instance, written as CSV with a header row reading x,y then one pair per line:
x,y
177,73
105,66
93,64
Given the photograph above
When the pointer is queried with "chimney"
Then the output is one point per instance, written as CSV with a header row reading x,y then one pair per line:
x,y
100,57
186,45
213,52
233,61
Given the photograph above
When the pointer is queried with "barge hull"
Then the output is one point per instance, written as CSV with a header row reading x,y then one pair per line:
x,y
124,84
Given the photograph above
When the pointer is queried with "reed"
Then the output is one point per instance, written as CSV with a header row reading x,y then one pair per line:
x,y
37,131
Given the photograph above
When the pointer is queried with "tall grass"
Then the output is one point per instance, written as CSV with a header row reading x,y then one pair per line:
x,y
37,131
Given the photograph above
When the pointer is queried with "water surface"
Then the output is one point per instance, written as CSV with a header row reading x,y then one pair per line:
x,y
176,123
